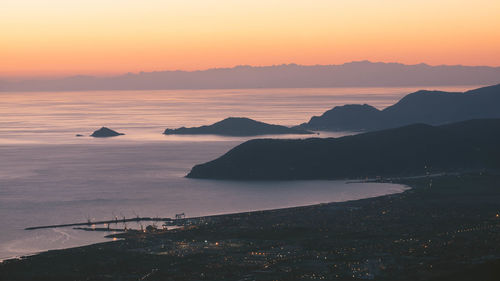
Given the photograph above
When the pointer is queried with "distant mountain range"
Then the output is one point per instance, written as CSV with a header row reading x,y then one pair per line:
x,y
237,126
354,74
429,107
411,150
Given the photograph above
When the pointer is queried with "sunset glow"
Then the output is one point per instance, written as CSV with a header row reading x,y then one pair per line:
x,y
101,37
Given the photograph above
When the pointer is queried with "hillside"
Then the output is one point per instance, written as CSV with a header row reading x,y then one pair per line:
x,y
237,126
411,150
429,107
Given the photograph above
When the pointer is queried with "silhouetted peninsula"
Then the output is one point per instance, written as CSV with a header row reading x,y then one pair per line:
x,y
428,107
412,150
105,133
237,126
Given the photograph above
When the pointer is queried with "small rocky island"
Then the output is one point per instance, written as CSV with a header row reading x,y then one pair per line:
x,y
105,133
237,126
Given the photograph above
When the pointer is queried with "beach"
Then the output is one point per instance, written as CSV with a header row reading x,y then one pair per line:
x,y
421,233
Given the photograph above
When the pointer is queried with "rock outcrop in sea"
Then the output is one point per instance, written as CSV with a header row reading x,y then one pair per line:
x,y
105,133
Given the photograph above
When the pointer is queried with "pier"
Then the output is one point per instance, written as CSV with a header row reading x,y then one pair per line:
x,y
124,220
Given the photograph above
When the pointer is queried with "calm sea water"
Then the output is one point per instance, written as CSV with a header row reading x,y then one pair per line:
x,y
49,176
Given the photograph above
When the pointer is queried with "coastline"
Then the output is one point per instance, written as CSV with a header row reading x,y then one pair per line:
x,y
107,233
435,224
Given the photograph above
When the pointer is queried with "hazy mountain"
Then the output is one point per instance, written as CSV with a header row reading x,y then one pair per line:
x,y
363,73
237,126
429,107
411,150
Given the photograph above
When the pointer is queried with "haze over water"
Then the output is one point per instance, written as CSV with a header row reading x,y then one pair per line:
x,y
49,176
45,117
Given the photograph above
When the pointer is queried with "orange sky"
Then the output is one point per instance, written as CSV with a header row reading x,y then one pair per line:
x,y
61,37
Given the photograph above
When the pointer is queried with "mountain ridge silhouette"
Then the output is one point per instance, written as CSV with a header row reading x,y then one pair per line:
x,y
352,74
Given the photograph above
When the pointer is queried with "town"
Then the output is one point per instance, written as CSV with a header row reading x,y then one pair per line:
x,y
446,227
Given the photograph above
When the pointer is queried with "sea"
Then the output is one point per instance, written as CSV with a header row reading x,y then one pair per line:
x,y
48,175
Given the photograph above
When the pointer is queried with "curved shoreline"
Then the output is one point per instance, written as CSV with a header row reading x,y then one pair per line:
x,y
401,188
433,223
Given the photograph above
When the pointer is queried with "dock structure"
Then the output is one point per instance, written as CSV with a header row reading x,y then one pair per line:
x,y
124,220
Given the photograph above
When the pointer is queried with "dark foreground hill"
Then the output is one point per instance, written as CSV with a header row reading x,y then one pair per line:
x,y
412,150
428,107
237,126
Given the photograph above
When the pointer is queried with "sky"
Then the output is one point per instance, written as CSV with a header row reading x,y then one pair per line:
x,y
108,37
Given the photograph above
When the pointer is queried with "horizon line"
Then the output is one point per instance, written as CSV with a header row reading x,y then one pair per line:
x,y
110,75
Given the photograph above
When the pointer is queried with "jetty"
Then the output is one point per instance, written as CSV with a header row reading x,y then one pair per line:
x,y
104,229
116,220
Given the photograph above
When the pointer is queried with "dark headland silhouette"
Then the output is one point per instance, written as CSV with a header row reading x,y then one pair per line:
x,y
353,74
411,150
237,126
105,133
429,107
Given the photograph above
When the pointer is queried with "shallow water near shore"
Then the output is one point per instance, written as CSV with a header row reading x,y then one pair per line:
x,y
65,184
49,176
